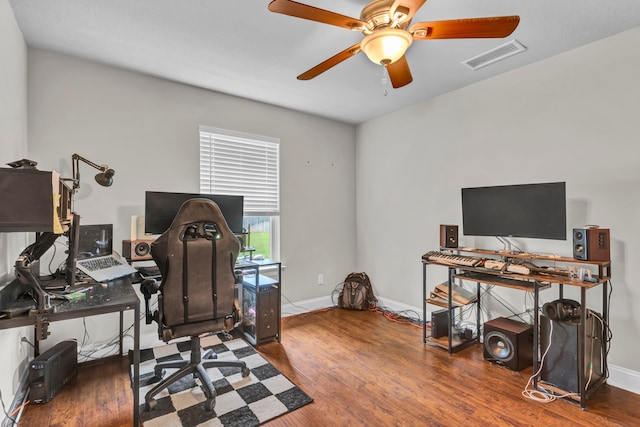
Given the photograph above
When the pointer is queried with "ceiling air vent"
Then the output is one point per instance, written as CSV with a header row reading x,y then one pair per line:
x,y
494,55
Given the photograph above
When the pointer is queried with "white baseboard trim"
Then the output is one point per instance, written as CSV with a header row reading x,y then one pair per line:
x,y
306,306
309,305
624,378
21,396
398,307
619,377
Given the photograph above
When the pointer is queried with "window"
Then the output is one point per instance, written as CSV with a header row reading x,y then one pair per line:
x,y
235,163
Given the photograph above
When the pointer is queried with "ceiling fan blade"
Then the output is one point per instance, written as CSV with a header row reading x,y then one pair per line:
x,y
399,73
331,62
412,5
299,10
492,27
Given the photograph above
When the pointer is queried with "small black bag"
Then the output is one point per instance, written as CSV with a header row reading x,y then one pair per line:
x,y
357,293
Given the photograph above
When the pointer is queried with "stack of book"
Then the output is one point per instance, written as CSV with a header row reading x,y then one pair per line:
x,y
459,295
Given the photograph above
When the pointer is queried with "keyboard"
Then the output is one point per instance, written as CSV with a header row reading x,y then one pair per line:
x,y
448,258
105,268
99,263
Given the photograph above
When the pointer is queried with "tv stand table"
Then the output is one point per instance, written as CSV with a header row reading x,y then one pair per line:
x,y
539,279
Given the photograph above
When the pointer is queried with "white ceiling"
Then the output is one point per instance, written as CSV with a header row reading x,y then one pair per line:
x,y
240,48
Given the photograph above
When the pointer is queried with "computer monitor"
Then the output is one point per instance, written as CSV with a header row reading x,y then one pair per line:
x,y
95,240
27,202
162,207
525,210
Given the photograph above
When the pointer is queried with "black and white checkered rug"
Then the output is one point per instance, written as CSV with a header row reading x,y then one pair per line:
x,y
242,402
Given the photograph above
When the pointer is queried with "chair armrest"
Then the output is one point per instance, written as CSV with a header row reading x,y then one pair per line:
x,y
148,287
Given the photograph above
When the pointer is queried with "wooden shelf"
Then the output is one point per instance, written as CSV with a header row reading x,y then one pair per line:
x,y
545,386
500,280
444,304
457,343
526,255
542,278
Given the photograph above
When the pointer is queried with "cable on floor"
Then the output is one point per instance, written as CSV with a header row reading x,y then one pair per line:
x,y
399,316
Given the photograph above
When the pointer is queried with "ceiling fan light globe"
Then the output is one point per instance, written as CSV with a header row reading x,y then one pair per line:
x,y
386,46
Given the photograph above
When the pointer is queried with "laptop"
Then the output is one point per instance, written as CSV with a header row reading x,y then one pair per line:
x,y
95,254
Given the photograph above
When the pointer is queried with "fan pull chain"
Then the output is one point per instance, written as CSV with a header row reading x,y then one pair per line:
x,y
384,81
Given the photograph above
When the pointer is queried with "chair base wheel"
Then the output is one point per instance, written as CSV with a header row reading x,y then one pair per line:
x,y
150,405
245,372
210,404
158,375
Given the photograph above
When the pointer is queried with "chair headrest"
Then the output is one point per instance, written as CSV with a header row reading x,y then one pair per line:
x,y
201,210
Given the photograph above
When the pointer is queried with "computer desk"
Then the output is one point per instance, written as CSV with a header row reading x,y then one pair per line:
x,y
115,296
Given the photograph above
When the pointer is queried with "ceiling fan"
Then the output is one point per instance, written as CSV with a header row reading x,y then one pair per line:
x,y
387,34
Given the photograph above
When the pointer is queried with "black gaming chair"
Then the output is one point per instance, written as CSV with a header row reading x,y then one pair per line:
x,y
197,295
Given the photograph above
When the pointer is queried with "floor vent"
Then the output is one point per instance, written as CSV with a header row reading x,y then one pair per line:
x,y
494,55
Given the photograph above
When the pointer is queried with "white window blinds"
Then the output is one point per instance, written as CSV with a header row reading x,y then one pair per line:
x,y
241,164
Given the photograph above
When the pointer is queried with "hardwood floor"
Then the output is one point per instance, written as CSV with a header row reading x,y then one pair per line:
x,y
362,370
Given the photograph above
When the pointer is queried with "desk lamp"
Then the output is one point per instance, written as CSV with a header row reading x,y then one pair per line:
x,y
47,238
105,179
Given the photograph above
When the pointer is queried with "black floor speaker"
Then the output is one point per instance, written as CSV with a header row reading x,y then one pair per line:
x,y
560,365
508,343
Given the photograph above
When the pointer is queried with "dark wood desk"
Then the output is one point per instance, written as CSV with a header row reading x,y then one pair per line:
x,y
117,296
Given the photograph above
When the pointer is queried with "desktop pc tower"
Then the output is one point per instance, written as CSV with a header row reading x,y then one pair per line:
x,y
440,323
51,370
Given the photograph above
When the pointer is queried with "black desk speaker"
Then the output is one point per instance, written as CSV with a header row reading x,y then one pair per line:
x,y
580,248
136,250
508,343
448,236
591,244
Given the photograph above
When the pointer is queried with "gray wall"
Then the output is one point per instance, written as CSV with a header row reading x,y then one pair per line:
x,y
573,118
13,146
147,130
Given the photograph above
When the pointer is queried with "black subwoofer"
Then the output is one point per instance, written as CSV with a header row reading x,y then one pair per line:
x,y
560,365
509,343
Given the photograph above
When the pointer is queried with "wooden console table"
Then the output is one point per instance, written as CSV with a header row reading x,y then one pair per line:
x,y
542,278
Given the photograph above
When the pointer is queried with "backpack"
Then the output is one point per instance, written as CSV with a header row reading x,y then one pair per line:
x,y
357,293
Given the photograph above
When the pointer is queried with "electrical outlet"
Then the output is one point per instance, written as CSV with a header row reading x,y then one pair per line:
x,y
320,279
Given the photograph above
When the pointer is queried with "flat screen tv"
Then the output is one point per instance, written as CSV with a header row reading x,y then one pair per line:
x,y
526,210
160,208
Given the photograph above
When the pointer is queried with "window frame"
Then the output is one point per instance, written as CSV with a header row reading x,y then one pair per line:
x,y
262,154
